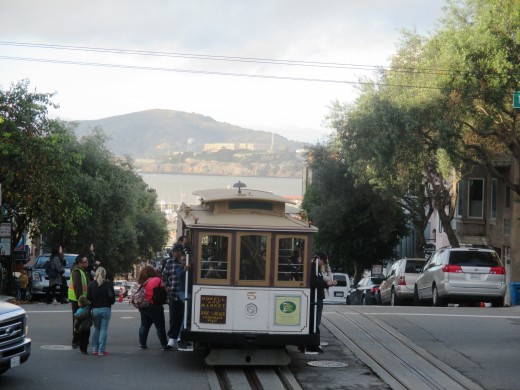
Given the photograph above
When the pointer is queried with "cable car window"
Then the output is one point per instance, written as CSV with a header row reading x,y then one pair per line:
x,y
253,257
291,252
214,257
244,204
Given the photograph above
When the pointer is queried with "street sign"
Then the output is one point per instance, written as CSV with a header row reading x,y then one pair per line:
x,y
516,100
5,229
5,247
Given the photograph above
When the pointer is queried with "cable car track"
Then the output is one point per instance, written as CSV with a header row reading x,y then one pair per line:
x,y
254,378
396,359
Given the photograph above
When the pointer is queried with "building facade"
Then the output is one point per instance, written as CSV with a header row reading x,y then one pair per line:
x,y
487,214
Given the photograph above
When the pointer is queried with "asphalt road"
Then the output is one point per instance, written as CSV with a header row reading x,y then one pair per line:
x,y
479,343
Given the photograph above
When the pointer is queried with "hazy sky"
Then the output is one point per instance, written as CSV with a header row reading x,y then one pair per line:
x,y
224,49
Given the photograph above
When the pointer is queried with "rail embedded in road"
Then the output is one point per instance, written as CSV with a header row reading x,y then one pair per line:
x,y
396,359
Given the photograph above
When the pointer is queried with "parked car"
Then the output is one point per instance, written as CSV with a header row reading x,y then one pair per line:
x,y
366,291
38,279
339,292
15,346
399,284
128,287
461,275
119,287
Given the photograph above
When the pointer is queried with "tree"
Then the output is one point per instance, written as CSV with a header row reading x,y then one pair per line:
x,y
123,220
72,191
479,47
357,227
37,160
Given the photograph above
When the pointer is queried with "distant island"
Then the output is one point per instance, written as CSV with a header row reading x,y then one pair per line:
x,y
168,141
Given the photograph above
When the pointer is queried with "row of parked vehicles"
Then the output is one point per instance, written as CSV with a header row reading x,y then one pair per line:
x,y
39,280
464,275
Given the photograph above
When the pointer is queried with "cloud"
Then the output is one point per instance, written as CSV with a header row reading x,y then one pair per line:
x,y
334,31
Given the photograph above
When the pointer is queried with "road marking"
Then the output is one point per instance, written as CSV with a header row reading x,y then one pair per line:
x,y
439,315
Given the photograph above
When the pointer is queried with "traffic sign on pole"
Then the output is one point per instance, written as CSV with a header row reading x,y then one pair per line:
x,y
516,100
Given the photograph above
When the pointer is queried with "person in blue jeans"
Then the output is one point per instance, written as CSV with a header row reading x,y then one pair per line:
x,y
153,314
100,293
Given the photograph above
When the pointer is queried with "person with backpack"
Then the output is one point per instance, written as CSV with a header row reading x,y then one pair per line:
x,y
152,312
54,269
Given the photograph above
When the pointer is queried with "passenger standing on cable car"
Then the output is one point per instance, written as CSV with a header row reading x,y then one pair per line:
x,y
318,286
185,280
171,281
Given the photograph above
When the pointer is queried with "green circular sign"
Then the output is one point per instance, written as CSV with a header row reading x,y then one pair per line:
x,y
288,307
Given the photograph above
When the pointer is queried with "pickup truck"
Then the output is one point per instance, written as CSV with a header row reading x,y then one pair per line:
x,y
15,347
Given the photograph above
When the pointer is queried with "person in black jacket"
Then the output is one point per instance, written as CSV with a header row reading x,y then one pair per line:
x,y
88,252
100,293
318,286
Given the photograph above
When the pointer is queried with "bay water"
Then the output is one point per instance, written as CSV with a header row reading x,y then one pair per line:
x,y
176,189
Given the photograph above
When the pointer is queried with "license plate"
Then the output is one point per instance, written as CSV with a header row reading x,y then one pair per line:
x,y
15,361
474,276
338,293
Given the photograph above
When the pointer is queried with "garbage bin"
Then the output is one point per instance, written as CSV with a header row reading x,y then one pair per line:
x,y
514,289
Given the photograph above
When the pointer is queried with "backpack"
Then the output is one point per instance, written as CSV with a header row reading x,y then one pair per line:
x,y
51,272
160,295
138,296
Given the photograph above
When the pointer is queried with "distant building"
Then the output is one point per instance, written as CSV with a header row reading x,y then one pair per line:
x,y
235,146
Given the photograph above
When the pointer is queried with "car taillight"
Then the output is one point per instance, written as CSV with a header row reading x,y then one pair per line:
x,y
374,290
401,281
497,270
452,268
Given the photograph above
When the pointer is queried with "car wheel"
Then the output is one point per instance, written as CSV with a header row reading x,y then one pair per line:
x,y
416,300
436,300
394,301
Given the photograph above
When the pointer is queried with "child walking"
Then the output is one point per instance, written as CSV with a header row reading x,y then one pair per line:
x,y
82,324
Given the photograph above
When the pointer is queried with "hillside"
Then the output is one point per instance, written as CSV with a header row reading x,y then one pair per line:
x,y
145,134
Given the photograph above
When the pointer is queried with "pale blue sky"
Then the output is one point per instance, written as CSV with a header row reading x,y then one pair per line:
x,y
333,31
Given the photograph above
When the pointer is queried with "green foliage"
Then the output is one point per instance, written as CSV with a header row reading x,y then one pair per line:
x,y
479,44
357,226
72,191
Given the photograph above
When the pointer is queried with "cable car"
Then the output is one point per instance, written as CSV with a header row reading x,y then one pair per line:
x,y
250,264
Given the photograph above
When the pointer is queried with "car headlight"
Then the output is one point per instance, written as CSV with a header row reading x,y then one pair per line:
x,y
36,277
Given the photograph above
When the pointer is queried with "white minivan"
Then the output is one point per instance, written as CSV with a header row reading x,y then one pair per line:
x,y
339,292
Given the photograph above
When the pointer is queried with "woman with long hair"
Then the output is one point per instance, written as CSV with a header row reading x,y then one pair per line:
x,y
56,260
100,293
153,313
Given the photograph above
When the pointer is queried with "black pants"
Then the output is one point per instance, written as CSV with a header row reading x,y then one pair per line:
x,y
75,336
64,290
83,338
176,317
51,293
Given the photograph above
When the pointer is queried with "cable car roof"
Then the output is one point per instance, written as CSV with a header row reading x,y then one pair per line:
x,y
216,211
221,194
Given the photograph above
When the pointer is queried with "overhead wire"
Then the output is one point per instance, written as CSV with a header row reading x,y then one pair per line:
x,y
219,58
271,61
151,68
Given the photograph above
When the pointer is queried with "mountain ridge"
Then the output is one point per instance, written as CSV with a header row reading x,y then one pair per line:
x,y
139,134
